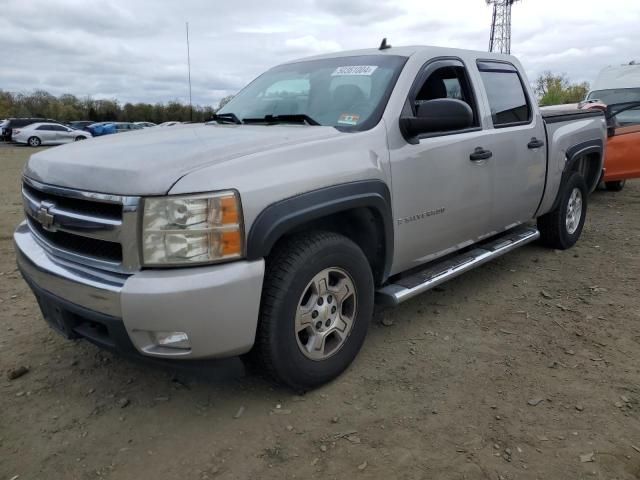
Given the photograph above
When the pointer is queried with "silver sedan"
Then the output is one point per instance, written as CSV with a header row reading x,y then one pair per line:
x,y
38,134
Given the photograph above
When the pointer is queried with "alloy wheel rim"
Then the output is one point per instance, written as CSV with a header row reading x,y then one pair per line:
x,y
574,211
325,314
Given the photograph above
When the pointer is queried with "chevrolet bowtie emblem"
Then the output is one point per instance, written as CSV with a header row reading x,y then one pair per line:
x,y
44,215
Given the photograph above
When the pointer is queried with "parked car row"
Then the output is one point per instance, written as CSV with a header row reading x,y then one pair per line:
x,y
107,128
95,129
52,132
7,126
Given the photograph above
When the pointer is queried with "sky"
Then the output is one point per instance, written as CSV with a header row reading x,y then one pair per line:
x,y
135,50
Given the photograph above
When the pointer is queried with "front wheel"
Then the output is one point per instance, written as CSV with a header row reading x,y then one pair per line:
x,y
34,142
561,228
80,137
316,307
615,186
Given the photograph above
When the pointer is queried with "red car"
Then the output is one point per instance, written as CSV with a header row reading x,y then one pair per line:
x,y
622,159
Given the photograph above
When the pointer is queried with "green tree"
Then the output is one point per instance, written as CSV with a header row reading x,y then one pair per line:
x,y
556,89
7,104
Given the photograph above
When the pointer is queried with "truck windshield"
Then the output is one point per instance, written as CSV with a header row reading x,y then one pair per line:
x,y
349,93
616,96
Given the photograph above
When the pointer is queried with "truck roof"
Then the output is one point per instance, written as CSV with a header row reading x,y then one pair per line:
x,y
407,51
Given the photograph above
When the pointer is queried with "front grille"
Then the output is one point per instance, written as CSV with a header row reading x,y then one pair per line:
x,y
75,244
96,230
99,209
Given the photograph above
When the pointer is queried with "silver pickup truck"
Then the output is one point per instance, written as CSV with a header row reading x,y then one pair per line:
x,y
326,185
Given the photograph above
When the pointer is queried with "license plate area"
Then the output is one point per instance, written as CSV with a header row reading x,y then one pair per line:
x,y
60,320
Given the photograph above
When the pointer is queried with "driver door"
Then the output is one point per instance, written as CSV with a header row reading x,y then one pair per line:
x,y
442,191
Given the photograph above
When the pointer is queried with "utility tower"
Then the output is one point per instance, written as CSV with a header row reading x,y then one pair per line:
x,y
500,40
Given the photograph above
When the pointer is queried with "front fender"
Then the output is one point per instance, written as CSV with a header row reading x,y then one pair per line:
x,y
285,215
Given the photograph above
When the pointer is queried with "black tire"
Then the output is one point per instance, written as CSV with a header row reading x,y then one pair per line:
x,y
616,186
34,142
554,232
80,137
290,268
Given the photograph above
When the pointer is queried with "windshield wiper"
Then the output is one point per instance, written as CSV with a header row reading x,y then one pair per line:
x,y
290,118
226,118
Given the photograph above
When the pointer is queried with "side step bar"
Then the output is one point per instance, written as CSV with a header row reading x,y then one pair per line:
x,y
434,274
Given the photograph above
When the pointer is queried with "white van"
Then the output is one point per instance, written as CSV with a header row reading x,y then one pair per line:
x,y
615,85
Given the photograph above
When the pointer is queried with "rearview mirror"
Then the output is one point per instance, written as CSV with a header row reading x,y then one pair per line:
x,y
439,115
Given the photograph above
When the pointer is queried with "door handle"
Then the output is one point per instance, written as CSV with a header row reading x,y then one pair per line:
x,y
535,143
480,154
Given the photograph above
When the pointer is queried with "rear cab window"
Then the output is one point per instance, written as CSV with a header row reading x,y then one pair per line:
x,y
508,100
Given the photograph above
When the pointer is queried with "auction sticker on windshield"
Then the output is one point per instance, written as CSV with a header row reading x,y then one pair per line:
x,y
366,70
348,119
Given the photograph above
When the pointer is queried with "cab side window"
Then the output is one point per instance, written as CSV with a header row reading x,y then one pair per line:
x,y
506,94
447,82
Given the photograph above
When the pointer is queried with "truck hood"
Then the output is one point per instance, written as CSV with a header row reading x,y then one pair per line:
x,y
150,161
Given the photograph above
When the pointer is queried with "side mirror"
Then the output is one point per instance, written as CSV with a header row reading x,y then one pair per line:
x,y
440,115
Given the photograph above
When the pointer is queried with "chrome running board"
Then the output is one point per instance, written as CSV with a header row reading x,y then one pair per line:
x,y
439,272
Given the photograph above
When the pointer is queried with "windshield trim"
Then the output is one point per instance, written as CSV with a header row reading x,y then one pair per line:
x,y
376,115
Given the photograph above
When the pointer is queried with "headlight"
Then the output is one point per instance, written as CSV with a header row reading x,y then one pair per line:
x,y
183,230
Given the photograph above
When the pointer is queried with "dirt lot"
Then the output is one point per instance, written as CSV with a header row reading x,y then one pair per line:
x,y
525,368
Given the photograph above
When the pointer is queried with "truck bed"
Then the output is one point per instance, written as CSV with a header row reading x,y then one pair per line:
x,y
568,132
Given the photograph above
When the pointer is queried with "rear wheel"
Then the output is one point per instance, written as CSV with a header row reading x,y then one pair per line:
x,y
316,307
561,228
34,141
615,186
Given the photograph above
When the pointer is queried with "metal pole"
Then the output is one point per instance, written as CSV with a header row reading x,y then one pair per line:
x,y
493,28
500,37
189,68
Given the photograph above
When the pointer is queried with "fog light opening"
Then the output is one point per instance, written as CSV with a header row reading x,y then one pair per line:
x,y
175,340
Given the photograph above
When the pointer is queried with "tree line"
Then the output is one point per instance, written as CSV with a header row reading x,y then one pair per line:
x,y
67,107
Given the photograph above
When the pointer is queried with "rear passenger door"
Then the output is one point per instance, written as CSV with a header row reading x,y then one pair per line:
x,y
517,142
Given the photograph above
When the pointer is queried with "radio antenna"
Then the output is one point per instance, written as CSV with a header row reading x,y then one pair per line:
x,y
189,70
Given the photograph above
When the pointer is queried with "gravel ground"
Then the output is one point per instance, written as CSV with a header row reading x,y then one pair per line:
x,y
525,368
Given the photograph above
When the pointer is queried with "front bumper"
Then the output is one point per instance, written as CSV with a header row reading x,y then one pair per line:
x,y
216,306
